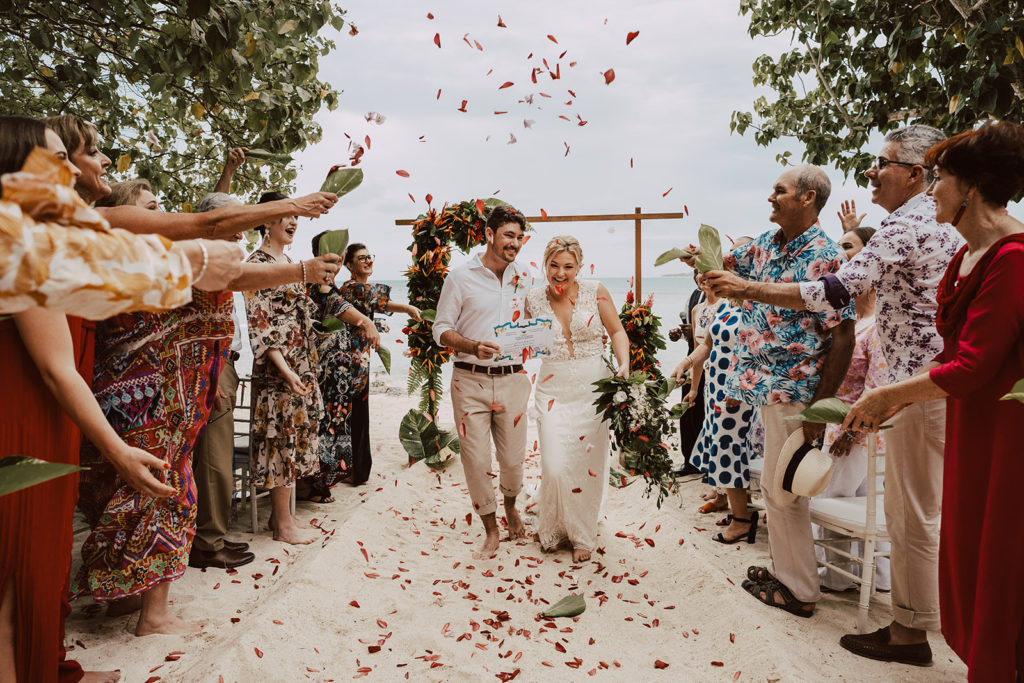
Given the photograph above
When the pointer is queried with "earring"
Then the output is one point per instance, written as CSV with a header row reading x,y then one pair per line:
x,y
959,213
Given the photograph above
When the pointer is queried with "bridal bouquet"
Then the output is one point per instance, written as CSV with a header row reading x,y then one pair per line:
x,y
640,422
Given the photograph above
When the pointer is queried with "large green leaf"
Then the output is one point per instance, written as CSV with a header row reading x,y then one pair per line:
x,y
329,326
272,157
19,472
710,256
673,254
422,440
429,314
569,606
385,358
676,411
342,181
1016,393
825,411
333,242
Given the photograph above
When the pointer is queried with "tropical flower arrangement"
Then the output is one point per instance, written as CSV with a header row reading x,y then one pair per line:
x,y
645,339
640,423
433,235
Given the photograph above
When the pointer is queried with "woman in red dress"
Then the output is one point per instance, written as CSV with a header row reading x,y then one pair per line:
x,y
981,320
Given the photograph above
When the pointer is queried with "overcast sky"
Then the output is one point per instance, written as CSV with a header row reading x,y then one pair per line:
x,y
667,110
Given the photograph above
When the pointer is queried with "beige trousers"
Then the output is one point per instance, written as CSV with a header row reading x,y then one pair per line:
x,y
213,466
790,539
914,450
491,407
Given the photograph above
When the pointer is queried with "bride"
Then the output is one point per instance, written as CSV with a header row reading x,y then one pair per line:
x,y
573,438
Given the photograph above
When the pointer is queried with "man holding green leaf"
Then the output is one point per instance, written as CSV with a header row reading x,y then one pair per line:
x,y
787,360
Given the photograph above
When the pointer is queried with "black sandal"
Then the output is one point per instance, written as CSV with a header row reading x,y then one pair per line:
x,y
757,574
751,534
724,521
765,593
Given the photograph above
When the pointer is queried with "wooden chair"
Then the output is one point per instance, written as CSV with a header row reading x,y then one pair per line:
x,y
855,518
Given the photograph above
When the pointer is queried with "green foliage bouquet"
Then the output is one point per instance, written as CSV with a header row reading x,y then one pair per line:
x,y
645,339
640,422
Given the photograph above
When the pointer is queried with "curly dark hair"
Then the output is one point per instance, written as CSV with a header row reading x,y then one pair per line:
x,y
501,215
990,158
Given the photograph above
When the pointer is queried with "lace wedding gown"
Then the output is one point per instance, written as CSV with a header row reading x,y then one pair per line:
x,y
574,441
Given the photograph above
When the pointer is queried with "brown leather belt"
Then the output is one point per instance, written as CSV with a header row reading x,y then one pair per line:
x,y
489,369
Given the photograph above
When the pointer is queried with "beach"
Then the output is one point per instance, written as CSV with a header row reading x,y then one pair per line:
x,y
392,593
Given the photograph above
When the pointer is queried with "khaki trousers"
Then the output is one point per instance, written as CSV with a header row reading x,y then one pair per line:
x,y
491,407
213,469
790,539
914,450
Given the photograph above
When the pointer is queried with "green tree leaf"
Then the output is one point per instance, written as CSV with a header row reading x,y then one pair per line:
x,y
342,181
672,255
333,242
569,606
1016,393
19,472
710,257
385,358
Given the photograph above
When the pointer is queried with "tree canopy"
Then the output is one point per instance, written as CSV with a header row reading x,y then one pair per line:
x,y
172,85
858,66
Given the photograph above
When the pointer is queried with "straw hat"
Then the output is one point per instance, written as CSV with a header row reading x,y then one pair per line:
x,y
801,470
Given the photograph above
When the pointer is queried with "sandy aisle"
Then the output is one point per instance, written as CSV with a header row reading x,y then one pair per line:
x,y
659,591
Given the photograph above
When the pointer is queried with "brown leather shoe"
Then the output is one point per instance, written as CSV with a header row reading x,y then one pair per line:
x,y
237,547
876,646
223,558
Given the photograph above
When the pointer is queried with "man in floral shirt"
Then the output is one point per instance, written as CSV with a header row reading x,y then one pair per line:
x,y
788,360
904,262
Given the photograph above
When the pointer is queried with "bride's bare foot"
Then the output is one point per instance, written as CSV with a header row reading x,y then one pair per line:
x,y
580,555
489,547
101,677
120,608
516,528
165,624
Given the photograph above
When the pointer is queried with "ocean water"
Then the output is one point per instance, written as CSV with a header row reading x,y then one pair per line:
x,y
670,296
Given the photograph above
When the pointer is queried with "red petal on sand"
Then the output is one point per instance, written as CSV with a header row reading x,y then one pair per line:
x,y
559,647
278,622
152,679
259,653
577,490
462,429
649,541
365,556
372,649
480,206
404,174
515,422
736,676
592,473
732,637
715,663
501,23
550,403
546,379
630,36
506,84
665,193
552,39
354,603
469,518
658,664
437,39
609,76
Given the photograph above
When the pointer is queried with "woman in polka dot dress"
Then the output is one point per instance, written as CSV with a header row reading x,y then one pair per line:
x,y
724,448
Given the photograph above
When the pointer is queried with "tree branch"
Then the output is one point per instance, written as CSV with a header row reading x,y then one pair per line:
x,y
828,88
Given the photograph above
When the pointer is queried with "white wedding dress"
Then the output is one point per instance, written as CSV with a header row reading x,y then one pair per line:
x,y
574,442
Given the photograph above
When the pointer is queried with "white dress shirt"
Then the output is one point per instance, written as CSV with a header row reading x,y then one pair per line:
x,y
473,302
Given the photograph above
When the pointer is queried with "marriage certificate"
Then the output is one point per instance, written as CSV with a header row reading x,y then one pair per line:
x,y
524,340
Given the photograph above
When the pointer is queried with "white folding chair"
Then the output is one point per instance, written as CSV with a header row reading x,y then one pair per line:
x,y
855,518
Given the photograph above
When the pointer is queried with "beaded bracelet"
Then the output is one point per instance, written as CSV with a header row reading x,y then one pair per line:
x,y
303,264
206,262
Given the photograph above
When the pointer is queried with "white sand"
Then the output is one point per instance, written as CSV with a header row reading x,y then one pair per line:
x,y
438,615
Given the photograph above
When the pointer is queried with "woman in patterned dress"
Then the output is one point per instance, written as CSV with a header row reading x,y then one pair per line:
x,y
335,375
573,438
347,387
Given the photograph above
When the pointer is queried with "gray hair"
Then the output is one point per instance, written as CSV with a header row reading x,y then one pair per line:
x,y
914,142
809,178
216,200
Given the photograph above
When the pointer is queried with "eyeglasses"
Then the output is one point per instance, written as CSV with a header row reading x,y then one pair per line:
x,y
365,258
881,162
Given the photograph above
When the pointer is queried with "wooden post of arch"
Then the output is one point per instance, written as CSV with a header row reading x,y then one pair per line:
x,y
637,217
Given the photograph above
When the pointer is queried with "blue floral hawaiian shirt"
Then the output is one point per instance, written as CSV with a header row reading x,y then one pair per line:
x,y
782,350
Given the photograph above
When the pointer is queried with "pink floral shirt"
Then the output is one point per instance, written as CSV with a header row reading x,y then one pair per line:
x,y
904,262
868,370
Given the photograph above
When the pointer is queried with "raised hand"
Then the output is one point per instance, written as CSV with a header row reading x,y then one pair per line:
x,y
315,205
322,269
235,158
848,216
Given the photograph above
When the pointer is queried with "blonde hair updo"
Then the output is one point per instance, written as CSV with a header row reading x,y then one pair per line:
x,y
563,243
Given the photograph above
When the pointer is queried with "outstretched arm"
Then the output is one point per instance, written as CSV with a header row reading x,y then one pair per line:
x,y
236,157
613,325
48,340
781,294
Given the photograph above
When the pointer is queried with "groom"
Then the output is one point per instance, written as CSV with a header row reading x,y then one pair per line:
x,y
489,396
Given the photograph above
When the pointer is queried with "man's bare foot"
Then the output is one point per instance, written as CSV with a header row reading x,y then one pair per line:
x,y
167,624
580,555
119,608
488,548
101,676
295,535
516,528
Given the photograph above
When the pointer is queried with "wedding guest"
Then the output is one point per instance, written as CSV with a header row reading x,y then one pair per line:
x,y
136,192
703,313
981,322
488,394
904,262
344,368
691,422
574,442
287,406
47,401
788,359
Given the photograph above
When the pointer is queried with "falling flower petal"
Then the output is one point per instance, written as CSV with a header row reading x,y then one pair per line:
x,y
411,198
686,210
566,147
501,23
438,94
404,174
609,76
552,39
592,473
429,199
515,422
630,36
430,15
480,206
543,213
665,193
551,402
437,39
463,107
511,139
506,84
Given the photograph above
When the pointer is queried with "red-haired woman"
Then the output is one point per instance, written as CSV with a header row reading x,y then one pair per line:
x,y
981,320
